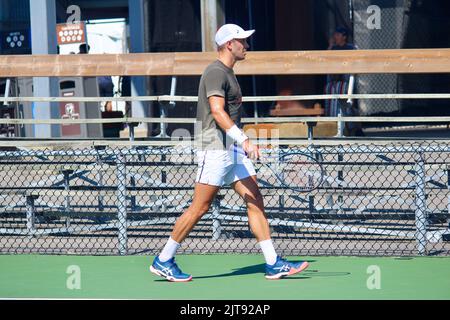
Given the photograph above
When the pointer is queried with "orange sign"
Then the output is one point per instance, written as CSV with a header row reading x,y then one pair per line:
x,y
69,33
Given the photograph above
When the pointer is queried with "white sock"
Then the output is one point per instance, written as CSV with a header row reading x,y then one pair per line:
x,y
169,250
269,251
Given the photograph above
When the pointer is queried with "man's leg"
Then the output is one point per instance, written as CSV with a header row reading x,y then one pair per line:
x,y
164,265
275,266
203,196
249,191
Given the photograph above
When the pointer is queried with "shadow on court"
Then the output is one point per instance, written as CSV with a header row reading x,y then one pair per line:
x,y
257,268
310,273
260,268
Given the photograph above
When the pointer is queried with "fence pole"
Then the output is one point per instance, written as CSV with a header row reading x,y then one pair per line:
x,y
67,174
217,228
340,123
100,176
164,179
421,205
448,197
340,178
164,109
30,214
122,205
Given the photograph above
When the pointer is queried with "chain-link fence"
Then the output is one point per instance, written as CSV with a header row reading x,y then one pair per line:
x,y
400,24
390,34
385,199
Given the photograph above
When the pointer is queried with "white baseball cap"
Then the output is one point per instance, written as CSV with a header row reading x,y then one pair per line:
x,y
229,32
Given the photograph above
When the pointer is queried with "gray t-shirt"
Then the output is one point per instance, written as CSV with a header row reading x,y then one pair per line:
x,y
217,80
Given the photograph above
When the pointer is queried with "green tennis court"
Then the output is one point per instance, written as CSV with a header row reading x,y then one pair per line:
x,y
223,277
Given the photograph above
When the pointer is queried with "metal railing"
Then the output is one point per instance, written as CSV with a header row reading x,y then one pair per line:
x,y
163,120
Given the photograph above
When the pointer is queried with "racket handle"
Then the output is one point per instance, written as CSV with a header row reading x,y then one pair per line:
x,y
241,151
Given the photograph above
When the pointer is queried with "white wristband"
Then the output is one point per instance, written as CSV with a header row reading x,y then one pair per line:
x,y
236,134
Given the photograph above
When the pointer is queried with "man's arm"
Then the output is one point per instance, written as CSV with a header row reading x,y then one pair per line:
x,y
217,105
330,43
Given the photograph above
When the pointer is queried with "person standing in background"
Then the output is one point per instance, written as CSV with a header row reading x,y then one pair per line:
x,y
105,83
111,130
339,84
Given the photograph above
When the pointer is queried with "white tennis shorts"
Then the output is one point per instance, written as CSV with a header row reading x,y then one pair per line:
x,y
223,167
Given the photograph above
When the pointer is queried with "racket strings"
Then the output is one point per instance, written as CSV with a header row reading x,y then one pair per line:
x,y
300,172
297,171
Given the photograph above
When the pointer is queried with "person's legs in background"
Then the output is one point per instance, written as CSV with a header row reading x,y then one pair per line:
x,y
328,102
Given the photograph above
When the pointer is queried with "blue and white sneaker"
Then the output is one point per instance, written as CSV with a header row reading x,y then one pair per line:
x,y
283,268
169,270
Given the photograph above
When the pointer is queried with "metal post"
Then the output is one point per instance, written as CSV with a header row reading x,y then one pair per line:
x,y
66,174
30,214
100,177
311,199
173,88
131,131
43,41
311,126
217,228
351,85
139,42
448,197
164,111
101,207
329,196
7,89
421,205
131,126
133,203
281,196
311,206
340,179
250,17
340,124
282,203
163,179
122,205
212,18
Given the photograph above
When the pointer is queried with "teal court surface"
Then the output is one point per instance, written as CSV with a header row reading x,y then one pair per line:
x,y
222,277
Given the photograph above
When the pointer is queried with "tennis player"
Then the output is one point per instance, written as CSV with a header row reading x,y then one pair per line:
x,y
219,112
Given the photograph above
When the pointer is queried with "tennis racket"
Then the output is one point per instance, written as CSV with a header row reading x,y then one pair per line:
x,y
297,171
